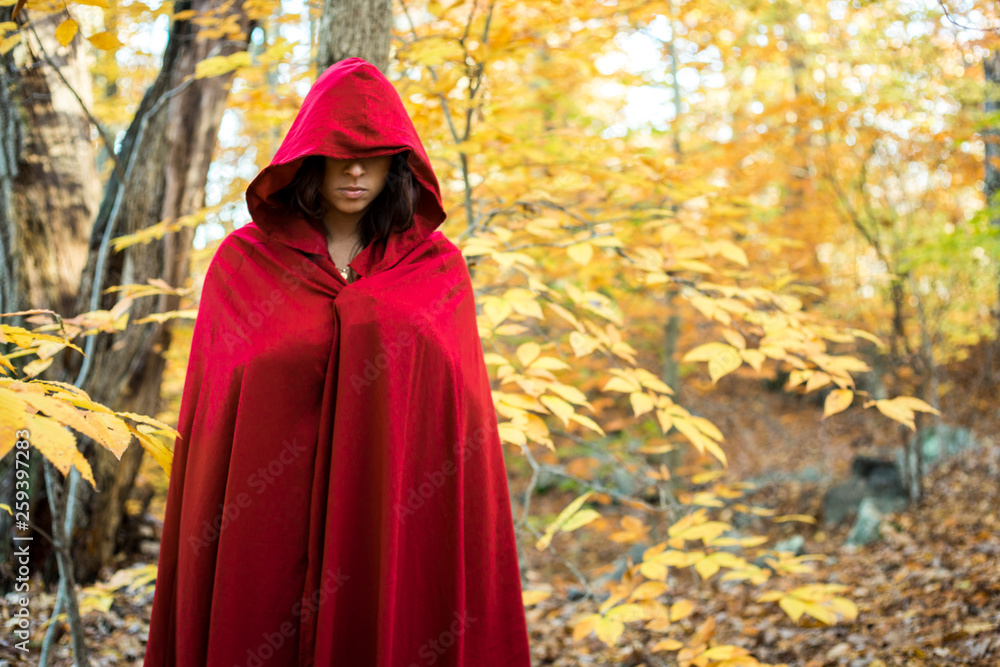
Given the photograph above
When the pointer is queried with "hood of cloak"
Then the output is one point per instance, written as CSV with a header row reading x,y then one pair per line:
x,y
352,110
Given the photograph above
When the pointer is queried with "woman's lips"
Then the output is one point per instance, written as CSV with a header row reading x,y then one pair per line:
x,y
353,193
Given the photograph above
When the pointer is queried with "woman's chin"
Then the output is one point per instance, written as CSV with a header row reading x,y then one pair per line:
x,y
349,206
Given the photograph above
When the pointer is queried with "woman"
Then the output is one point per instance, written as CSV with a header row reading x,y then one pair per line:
x,y
338,494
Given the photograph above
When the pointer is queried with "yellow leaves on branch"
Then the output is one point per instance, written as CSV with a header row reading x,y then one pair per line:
x,y
817,600
902,409
567,521
702,433
49,409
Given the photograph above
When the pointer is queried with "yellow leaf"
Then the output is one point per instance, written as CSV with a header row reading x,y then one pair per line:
x,y
217,65
153,443
549,364
497,310
641,403
897,411
581,253
724,363
558,406
571,394
732,252
529,598
816,381
699,440
820,613
627,613
706,567
582,344
66,31
36,367
648,590
735,339
681,609
915,404
726,652
804,518
13,413
707,352
118,434
583,627
563,517
587,422
580,519
106,41
608,631
755,358
528,352
793,607
8,43
667,645
58,445
621,384
524,302
845,608
653,570
837,400
512,434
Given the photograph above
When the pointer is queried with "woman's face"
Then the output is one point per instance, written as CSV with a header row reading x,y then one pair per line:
x,y
350,186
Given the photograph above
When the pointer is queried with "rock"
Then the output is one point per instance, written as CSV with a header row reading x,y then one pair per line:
x,y
870,478
794,544
881,475
870,514
841,501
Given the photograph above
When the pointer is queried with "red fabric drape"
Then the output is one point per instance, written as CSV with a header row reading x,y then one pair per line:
x,y
338,493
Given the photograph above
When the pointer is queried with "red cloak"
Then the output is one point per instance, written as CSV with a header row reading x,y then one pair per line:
x,y
338,494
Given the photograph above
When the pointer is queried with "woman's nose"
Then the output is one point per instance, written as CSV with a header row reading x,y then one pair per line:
x,y
355,168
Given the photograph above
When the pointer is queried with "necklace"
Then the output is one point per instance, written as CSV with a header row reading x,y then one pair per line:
x,y
346,271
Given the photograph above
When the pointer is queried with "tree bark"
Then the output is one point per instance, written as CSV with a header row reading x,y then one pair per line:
x,y
166,154
354,28
49,193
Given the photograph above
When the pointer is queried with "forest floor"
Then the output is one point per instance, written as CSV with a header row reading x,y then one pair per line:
x,y
927,594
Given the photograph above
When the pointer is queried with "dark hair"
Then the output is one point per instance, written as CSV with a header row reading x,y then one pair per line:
x,y
392,210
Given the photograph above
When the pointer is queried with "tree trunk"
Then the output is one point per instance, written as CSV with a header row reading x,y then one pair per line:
x,y
354,28
165,154
49,193
991,180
